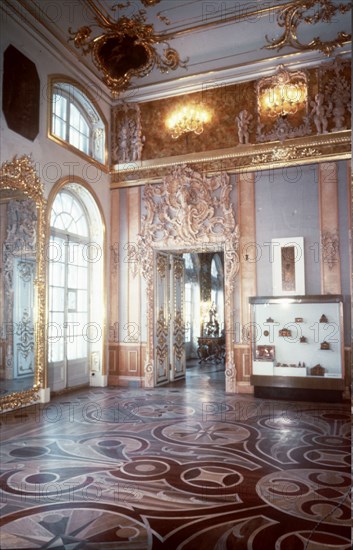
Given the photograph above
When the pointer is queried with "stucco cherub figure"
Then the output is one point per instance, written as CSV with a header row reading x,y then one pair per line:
x,y
320,113
243,121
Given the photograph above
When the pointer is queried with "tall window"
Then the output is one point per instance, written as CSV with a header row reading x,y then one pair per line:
x,y
68,280
75,120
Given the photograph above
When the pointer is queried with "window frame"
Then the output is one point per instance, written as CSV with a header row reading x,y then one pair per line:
x,y
54,83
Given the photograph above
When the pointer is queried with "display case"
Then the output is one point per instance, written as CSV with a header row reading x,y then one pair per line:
x,y
297,343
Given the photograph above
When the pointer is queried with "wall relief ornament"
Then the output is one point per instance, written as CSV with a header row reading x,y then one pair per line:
x,y
299,12
336,91
20,243
127,138
126,48
179,335
185,213
18,176
330,248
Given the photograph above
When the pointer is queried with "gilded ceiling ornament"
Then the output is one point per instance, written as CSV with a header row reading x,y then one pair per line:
x,y
125,49
290,16
150,2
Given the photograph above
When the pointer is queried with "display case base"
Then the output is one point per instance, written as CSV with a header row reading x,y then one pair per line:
x,y
299,394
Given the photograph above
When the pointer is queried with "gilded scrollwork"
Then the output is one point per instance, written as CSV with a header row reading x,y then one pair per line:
x,y
188,211
19,176
161,263
280,154
178,268
126,48
292,15
161,338
179,335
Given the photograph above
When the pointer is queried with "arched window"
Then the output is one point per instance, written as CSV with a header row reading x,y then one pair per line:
x,y
75,284
76,121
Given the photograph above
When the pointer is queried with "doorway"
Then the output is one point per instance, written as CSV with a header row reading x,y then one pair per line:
x,y
189,315
204,317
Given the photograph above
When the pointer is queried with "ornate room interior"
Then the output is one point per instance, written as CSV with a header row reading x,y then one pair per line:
x,y
176,274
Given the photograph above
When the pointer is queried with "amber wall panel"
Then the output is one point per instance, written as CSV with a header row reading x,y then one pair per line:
x,y
224,103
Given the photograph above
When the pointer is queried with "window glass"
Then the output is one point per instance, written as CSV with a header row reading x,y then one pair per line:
x,y
76,121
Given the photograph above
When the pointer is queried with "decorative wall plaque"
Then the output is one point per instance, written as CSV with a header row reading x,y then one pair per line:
x,y
21,89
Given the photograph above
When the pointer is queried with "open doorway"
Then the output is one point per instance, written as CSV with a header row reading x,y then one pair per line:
x,y
204,316
189,212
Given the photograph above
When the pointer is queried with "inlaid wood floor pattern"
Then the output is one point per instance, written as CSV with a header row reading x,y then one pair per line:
x,y
175,468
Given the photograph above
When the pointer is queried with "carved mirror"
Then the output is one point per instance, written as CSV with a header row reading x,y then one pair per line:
x,y
22,288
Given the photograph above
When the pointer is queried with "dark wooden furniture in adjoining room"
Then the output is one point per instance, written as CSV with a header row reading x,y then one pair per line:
x,y
211,348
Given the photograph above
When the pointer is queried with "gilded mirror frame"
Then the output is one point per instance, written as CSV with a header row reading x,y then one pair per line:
x,y
19,175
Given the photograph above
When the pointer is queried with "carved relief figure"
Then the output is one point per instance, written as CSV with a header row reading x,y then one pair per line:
x,y
320,113
127,142
123,153
338,89
243,121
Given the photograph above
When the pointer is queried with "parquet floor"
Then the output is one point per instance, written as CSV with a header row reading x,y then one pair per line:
x,y
178,467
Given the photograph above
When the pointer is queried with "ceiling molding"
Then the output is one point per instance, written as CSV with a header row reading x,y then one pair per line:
x,y
226,76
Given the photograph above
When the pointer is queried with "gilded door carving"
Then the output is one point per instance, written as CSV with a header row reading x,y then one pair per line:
x,y
162,318
177,329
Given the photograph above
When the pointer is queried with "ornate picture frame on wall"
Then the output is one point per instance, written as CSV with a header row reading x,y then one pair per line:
x,y
288,267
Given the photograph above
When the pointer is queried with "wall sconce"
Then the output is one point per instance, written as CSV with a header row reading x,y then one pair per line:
x,y
187,119
284,93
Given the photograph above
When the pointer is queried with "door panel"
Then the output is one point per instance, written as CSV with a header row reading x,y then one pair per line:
x,y
177,328
161,316
169,334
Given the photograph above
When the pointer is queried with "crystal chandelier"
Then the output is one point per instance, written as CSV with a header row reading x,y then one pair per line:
x,y
187,119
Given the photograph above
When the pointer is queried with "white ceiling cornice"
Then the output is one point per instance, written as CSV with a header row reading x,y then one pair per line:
x,y
227,76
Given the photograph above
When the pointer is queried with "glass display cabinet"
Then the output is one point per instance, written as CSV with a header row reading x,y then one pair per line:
x,y
297,346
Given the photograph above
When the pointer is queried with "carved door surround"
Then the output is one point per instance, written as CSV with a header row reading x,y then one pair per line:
x,y
190,212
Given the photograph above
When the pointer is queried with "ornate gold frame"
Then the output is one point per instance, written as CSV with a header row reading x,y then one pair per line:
x,y
110,50
19,175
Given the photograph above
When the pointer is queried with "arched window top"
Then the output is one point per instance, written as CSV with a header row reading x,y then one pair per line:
x,y
68,215
75,120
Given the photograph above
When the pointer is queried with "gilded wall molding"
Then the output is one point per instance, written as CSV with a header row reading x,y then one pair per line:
x,y
307,150
296,13
19,175
185,213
